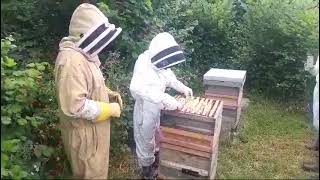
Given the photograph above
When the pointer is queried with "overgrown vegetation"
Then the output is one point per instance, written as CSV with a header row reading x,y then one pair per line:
x,y
269,39
28,121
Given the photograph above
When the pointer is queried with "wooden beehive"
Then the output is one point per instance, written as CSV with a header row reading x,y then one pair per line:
x,y
197,115
227,86
190,140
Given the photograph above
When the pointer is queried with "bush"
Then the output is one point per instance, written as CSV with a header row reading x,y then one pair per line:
x,y
29,139
269,39
281,35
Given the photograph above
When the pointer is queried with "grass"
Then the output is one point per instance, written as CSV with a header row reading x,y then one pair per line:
x,y
123,167
270,144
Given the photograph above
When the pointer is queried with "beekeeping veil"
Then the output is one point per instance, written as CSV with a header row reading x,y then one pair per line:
x,y
90,30
165,51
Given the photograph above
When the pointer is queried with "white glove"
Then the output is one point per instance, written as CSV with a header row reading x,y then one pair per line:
x,y
188,92
170,103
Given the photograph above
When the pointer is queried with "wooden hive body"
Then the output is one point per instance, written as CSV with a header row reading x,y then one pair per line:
x,y
189,143
227,86
197,117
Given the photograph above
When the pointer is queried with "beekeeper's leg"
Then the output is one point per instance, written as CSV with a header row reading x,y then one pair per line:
x,y
145,142
88,150
156,162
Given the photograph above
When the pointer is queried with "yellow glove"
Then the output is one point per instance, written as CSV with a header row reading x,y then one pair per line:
x,y
108,110
115,96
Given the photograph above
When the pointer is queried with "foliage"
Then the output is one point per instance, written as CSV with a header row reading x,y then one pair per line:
x,y
281,36
36,25
27,111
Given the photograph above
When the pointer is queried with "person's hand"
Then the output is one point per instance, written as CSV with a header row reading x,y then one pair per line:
x,y
115,110
118,99
170,103
188,92
115,96
108,110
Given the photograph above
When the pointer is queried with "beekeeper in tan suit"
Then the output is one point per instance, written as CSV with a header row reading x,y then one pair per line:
x,y
84,107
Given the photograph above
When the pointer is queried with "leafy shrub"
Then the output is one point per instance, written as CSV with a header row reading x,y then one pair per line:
x,y
36,25
28,132
281,35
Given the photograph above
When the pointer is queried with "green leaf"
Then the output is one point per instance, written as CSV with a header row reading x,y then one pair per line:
x,y
15,108
21,98
9,84
10,145
22,122
5,120
33,73
4,172
18,173
41,67
10,62
31,65
4,160
34,122
47,151
18,73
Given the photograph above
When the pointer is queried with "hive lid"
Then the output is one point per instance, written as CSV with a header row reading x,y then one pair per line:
x,y
227,75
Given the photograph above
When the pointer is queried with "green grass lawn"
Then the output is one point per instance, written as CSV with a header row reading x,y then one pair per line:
x,y
270,144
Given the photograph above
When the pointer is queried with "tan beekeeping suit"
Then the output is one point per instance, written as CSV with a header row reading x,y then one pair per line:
x,y
80,87
86,143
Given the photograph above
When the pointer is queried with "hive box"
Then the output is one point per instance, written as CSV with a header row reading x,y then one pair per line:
x,y
192,117
190,141
226,85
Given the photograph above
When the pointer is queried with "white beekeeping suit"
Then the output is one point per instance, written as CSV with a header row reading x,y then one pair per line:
x,y
314,70
150,78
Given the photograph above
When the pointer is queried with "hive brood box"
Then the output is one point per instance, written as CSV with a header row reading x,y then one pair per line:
x,y
190,140
197,115
226,85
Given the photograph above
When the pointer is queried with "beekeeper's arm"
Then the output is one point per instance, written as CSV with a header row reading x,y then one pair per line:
x,y
73,93
140,89
174,83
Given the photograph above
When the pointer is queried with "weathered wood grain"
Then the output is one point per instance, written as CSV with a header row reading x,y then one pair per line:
x,y
214,108
190,145
184,158
166,130
186,150
223,90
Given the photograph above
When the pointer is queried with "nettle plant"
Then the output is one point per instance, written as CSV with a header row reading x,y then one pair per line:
x,y
22,88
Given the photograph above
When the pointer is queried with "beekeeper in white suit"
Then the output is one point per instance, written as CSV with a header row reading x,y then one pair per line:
x,y
314,70
151,76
